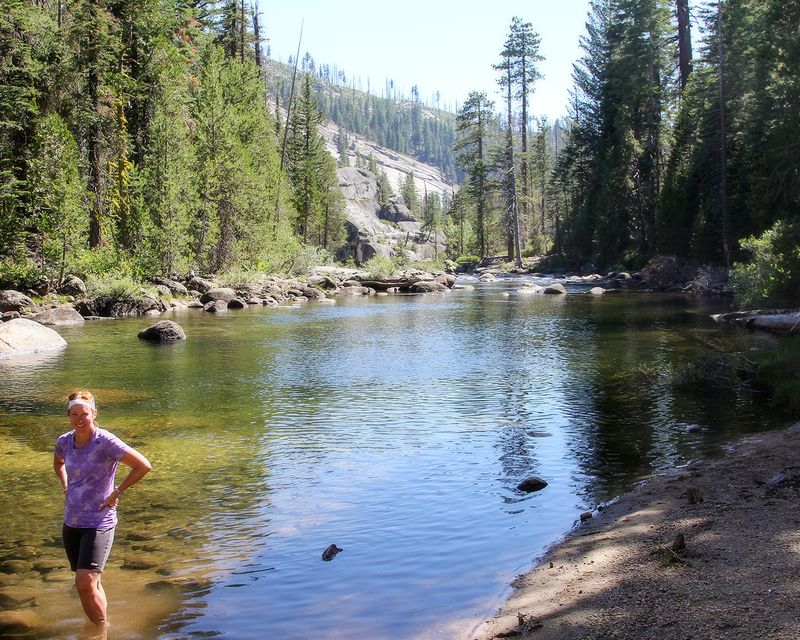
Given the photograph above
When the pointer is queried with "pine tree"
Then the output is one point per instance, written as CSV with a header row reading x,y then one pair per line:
x,y
474,125
519,72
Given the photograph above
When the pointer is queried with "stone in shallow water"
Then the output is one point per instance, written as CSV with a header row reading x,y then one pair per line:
x,y
21,336
533,483
163,331
18,622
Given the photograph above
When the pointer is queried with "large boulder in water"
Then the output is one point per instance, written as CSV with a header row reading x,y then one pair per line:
x,y
225,294
555,289
163,331
21,336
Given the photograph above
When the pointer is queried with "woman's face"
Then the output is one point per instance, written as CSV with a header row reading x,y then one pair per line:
x,y
81,416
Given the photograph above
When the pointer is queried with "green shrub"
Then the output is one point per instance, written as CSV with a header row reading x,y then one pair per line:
x,y
778,371
380,267
240,278
114,286
771,277
468,259
19,273
99,262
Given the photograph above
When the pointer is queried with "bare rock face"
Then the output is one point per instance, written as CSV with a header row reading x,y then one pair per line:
x,y
373,230
21,336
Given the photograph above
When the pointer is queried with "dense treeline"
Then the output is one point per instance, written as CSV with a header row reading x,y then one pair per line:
x,y
661,153
135,139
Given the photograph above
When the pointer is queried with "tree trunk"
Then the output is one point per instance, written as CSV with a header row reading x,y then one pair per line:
x,y
723,142
684,42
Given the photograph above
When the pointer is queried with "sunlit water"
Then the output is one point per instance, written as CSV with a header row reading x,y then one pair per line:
x,y
395,427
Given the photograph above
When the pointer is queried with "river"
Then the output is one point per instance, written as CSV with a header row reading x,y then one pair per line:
x,y
394,427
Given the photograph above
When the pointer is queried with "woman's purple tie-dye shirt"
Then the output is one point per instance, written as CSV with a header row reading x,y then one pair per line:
x,y
90,478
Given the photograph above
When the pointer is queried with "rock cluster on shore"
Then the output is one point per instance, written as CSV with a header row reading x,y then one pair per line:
x,y
321,285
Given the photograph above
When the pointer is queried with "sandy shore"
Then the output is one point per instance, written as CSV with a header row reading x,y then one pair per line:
x,y
624,575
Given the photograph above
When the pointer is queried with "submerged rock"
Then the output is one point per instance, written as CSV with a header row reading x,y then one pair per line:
x,y
531,484
18,622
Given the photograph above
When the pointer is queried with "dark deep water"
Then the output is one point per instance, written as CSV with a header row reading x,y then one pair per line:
x,y
395,427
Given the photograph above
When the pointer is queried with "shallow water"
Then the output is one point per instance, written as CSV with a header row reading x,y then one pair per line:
x,y
395,427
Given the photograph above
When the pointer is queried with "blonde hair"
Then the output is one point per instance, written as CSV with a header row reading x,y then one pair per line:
x,y
82,394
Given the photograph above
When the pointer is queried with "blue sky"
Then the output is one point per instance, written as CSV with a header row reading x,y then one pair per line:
x,y
442,45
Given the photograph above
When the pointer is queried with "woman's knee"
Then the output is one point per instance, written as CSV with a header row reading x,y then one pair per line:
x,y
86,581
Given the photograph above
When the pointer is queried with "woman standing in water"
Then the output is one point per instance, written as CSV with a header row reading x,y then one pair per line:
x,y
85,461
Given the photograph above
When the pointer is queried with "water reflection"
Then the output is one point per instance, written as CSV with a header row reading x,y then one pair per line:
x,y
397,428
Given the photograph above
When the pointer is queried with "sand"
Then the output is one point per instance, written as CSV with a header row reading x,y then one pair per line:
x,y
622,574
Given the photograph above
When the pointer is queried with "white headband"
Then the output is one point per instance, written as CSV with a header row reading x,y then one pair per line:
x,y
85,403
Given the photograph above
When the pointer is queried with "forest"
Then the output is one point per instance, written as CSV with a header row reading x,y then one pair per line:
x,y
663,152
149,137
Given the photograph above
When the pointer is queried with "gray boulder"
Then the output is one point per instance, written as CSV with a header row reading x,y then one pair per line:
x,y
199,284
72,286
163,331
312,293
237,303
216,306
11,300
225,294
58,316
428,286
555,289
21,336
530,288
112,307
353,291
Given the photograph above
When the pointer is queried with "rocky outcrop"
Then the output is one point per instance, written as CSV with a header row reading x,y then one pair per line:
x,y
373,230
109,307
774,321
21,336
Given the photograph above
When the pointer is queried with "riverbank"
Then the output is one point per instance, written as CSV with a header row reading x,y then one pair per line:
x,y
709,551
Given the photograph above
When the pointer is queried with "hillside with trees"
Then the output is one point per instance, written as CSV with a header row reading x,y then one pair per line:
x,y
152,137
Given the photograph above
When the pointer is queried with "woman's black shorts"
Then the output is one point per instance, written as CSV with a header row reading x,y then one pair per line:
x,y
87,548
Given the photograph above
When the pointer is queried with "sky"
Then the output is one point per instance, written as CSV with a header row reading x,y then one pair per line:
x,y
444,45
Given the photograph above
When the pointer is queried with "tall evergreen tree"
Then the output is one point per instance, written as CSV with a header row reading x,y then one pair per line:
x,y
519,72
473,129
